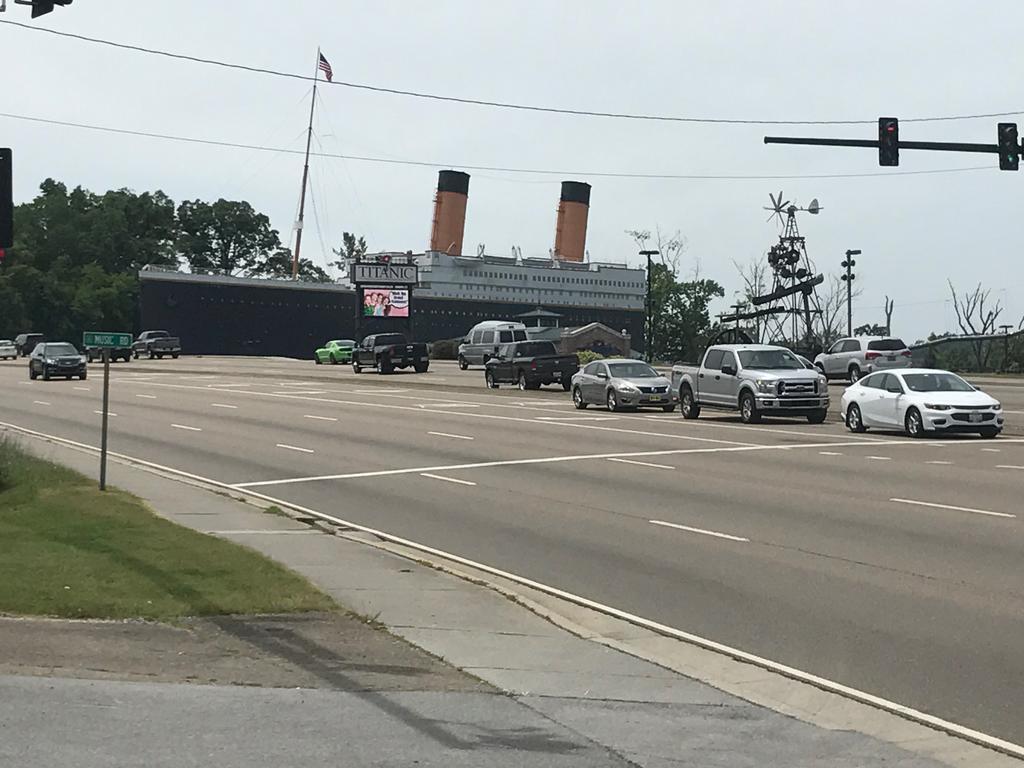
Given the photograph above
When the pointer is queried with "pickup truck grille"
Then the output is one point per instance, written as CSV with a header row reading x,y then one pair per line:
x,y
654,390
797,388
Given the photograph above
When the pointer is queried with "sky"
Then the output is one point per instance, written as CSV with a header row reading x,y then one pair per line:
x,y
736,60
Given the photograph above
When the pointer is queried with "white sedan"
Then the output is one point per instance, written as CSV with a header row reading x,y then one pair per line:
x,y
920,401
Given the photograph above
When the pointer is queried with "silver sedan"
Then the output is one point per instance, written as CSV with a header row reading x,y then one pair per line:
x,y
621,384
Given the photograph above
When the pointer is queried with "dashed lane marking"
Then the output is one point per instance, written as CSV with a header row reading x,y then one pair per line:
x,y
296,448
446,479
950,507
641,463
455,437
702,531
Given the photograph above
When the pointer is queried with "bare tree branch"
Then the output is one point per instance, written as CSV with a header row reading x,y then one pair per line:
x,y
975,319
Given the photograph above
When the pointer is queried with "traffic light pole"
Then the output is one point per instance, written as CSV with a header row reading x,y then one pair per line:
x,y
935,146
649,309
848,264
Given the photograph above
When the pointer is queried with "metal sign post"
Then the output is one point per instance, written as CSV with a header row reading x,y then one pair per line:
x,y
105,341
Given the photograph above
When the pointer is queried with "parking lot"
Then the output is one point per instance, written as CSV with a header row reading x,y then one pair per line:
x,y
888,564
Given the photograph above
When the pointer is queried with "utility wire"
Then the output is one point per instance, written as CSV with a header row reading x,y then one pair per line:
x,y
487,103
496,169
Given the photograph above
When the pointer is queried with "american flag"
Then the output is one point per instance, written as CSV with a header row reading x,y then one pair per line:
x,y
325,67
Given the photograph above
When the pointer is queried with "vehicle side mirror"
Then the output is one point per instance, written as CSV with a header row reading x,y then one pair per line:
x,y
729,370
601,375
895,390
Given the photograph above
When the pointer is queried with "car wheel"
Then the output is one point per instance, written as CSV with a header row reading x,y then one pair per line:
x,y
818,417
356,368
174,355
854,420
333,359
748,409
463,365
135,354
523,383
83,376
421,367
687,406
612,401
577,399
384,367
489,380
566,384
913,423
31,374
854,375
989,432
151,354
317,360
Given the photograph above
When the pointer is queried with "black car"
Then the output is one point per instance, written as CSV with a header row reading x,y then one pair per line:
x,y
26,342
56,358
387,351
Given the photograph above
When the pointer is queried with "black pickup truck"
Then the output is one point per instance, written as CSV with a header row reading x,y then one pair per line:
x,y
156,344
530,364
387,351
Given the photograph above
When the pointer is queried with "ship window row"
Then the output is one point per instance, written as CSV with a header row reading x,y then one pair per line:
x,y
567,280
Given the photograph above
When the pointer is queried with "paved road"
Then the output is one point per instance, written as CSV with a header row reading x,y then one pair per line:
x,y
784,539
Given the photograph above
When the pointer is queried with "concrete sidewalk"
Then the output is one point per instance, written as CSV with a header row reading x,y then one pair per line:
x,y
574,698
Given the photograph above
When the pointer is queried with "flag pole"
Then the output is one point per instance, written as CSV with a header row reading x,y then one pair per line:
x,y
305,174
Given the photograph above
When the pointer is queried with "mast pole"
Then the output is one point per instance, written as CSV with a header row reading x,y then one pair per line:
x,y
305,174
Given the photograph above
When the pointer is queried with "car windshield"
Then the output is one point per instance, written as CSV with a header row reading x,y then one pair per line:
x,y
887,345
769,360
60,349
389,338
535,349
936,382
632,371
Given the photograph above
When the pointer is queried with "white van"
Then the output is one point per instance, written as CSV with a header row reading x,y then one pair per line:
x,y
482,342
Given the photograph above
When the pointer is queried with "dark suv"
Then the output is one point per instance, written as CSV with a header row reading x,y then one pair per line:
x,y
26,342
56,358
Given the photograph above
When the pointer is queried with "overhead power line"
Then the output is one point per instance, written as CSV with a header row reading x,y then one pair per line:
x,y
464,166
485,102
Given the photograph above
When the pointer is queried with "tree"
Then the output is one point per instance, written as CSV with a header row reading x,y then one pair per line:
x,y
833,309
351,249
975,319
685,325
227,237
280,265
755,283
890,305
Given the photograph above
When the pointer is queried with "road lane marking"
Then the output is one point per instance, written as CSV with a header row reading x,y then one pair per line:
x,y
641,463
109,413
577,418
887,705
942,463
702,531
318,418
81,389
955,509
990,450
449,405
1007,466
830,453
147,397
456,437
879,458
223,405
40,402
186,427
301,392
378,391
197,378
295,448
446,479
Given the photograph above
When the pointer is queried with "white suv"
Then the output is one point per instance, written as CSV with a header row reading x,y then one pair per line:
x,y
851,358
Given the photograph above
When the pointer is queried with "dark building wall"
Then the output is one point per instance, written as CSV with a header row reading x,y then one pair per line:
x,y
261,319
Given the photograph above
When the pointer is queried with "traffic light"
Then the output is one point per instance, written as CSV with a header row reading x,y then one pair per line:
x,y
888,141
6,199
1009,149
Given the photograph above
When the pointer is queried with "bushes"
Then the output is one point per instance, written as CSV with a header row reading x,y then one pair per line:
x,y
446,349
588,356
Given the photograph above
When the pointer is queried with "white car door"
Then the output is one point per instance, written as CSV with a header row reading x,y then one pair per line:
x,y
886,406
870,401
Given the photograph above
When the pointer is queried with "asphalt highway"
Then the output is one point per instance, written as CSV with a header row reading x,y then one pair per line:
x,y
890,565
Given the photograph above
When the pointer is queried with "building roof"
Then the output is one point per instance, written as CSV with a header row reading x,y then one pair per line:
x,y
539,312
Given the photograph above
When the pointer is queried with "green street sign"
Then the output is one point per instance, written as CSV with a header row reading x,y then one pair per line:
x,y
107,340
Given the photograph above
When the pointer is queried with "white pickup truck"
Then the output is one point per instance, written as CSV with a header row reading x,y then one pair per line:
x,y
755,379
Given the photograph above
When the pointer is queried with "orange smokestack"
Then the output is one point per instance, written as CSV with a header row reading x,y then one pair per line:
x,y
571,229
450,212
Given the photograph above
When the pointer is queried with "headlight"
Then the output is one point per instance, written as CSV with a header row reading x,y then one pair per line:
x,y
823,382
931,407
766,386
997,407
51,361
627,387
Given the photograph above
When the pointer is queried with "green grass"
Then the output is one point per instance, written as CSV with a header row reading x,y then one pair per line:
x,y
68,550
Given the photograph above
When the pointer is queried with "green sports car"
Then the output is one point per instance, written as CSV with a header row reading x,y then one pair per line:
x,y
334,352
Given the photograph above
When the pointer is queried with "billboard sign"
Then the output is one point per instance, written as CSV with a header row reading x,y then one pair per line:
x,y
385,274
385,302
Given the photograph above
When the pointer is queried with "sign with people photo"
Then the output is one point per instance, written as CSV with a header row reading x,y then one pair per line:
x,y
385,302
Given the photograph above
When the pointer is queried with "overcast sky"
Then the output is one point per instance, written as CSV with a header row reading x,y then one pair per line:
x,y
787,61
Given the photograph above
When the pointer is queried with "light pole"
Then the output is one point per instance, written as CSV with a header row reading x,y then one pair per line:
x,y
849,264
649,308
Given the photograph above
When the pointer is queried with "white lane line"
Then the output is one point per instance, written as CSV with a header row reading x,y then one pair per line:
x,y
879,458
226,384
448,405
223,405
1007,466
955,509
378,391
318,418
302,392
40,402
990,450
641,463
109,413
1016,412
446,479
576,418
456,437
186,427
800,675
147,397
941,463
81,389
295,448
830,453
702,531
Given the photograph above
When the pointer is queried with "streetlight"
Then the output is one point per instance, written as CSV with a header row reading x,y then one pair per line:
x,y
649,308
848,279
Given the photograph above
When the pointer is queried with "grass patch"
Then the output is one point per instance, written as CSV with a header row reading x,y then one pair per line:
x,y
68,550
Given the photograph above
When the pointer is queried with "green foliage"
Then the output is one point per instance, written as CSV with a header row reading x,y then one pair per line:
x,y
227,237
446,349
682,318
351,249
67,549
588,356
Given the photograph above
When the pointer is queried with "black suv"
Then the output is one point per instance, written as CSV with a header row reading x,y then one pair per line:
x,y
56,358
26,342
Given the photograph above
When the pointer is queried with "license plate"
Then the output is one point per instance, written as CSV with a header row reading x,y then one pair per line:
x,y
656,397
975,418
891,358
